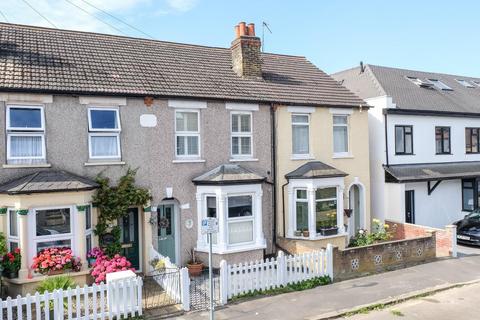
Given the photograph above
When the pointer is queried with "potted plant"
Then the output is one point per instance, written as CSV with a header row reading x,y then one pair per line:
x,y
306,233
328,226
194,266
297,233
11,264
53,261
104,265
93,255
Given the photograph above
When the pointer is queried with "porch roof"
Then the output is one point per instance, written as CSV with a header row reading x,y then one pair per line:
x,y
47,181
315,169
228,174
431,171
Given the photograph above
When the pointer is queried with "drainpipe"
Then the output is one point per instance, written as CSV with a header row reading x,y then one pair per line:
x,y
274,173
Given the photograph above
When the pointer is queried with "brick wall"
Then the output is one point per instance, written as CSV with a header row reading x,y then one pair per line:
x,y
445,238
357,262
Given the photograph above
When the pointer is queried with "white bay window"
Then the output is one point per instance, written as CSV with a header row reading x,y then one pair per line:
x,y
12,232
238,209
25,128
104,133
53,228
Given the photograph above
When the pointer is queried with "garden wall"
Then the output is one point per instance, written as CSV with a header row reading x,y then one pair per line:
x,y
446,239
386,256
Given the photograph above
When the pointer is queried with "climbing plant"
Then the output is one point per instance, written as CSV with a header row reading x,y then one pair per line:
x,y
113,202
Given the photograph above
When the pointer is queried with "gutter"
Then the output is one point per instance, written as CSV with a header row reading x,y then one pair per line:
x,y
417,112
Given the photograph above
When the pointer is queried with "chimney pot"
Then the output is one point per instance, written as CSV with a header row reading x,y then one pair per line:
x,y
251,29
237,31
243,28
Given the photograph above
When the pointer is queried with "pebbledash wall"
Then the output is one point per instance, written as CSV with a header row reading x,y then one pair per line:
x,y
152,151
411,245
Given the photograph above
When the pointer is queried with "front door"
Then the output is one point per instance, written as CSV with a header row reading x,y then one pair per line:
x,y
166,231
129,237
410,206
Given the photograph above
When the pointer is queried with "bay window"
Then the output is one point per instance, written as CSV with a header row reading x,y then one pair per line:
x,y
300,134
340,134
25,128
104,133
241,132
187,134
238,209
88,228
301,209
53,228
325,208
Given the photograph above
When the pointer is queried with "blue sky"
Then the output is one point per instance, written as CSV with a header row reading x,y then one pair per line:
x,y
440,36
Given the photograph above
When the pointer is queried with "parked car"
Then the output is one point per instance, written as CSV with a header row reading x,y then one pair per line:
x,y
468,229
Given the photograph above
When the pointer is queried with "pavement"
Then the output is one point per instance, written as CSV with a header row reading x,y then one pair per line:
x,y
459,303
325,301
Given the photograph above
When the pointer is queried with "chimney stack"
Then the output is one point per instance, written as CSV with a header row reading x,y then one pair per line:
x,y
246,58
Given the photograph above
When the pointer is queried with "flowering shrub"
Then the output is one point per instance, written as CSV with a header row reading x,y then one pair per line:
x,y
379,233
11,261
53,259
95,253
104,265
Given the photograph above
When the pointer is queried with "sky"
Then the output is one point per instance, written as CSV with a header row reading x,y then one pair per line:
x,y
438,36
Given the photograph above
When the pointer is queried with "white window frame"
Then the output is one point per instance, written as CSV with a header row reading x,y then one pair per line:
x,y
241,134
117,116
187,134
465,83
308,153
11,238
205,214
347,125
439,84
21,134
296,199
35,240
325,200
88,231
98,134
23,106
230,221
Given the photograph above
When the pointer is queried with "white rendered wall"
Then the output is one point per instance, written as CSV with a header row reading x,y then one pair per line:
x,y
424,138
442,207
395,201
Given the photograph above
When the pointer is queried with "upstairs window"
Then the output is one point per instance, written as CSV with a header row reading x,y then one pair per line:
x,y
403,140
439,84
300,134
187,134
340,134
25,128
104,133
442,140
241,131
465,83
472,143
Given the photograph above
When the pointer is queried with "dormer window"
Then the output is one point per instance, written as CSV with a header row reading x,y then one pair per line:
x,y
465,83
439,84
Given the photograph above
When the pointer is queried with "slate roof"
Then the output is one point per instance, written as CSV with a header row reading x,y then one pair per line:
x,y
379,81
433,171
228,174
48,181
60,61
315,169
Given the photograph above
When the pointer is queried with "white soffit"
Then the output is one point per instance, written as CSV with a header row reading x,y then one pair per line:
x,y
26,97
187,104
103,101
341,110
241,106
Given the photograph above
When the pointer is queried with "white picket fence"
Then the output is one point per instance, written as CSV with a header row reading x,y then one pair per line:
x,y
177,287
273,273
103,301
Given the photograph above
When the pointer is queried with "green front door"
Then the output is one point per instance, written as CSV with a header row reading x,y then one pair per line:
x,y
129,237
166,231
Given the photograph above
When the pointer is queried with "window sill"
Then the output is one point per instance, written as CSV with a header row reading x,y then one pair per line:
x,y
319,237
104,163
250,247
188,160
443,154
302,157
19,166
342,156
243,159
405,154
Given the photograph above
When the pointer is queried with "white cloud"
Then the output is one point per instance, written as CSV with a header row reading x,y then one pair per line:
x,y
182,5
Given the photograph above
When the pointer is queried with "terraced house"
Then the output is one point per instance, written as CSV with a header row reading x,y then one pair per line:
x,y
213,132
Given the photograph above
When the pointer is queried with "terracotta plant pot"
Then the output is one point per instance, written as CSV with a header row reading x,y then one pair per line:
x,y
55,272
297,233
195,269
306,233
